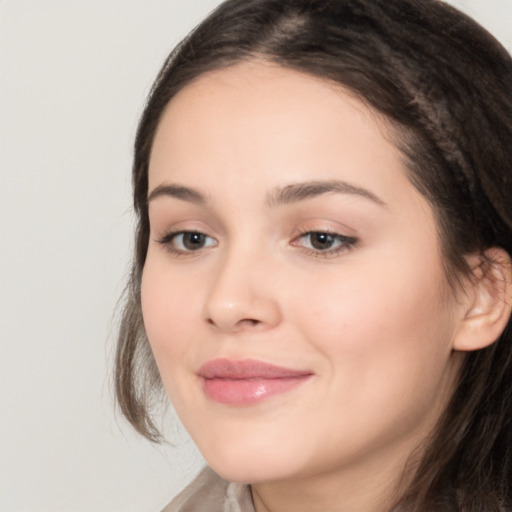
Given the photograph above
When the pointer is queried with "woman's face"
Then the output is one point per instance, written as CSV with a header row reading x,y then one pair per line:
x,y
293,294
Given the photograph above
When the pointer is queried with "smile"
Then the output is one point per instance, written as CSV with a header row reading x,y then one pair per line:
x,y
247,382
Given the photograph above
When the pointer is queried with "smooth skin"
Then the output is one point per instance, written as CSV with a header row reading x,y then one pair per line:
x,y
310,249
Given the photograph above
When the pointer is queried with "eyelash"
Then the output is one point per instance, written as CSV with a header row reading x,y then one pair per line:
x,y
168,239
345,243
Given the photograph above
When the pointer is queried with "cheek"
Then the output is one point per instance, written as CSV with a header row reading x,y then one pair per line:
x,y
386,342
171,312
370,302
167,308
390,325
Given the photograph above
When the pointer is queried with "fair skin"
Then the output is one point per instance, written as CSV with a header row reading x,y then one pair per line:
x,y
341,281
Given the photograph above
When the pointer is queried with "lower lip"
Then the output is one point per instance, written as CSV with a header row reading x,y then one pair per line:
x,y
243,392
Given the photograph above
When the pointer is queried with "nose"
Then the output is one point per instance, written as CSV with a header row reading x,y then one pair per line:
x,y
243,295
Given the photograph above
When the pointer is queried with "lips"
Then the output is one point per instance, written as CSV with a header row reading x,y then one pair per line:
x,y
247,382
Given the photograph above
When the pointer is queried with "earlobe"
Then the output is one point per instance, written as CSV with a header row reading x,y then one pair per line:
x,y
489,301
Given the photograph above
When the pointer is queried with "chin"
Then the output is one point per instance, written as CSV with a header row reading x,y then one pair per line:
x,y
246,467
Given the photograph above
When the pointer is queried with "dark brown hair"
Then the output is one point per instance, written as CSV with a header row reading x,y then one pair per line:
x,y
445,85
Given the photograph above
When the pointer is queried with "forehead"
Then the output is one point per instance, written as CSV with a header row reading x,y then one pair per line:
x,y
259,122
245,91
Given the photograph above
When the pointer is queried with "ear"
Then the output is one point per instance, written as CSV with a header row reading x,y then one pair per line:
x,y
487,301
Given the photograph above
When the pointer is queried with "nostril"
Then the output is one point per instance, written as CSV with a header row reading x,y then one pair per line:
x,y
244,322
249,321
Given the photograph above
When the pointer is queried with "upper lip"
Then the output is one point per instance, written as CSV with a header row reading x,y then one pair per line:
x,y
247,369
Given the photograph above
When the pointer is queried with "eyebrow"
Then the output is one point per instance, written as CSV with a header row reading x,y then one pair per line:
x,y
178,192
280,195
308,190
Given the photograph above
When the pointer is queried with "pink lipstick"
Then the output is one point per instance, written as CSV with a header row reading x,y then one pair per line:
x,y
246,382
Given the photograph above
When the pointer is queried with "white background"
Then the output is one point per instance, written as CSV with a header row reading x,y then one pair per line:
x,y
73,78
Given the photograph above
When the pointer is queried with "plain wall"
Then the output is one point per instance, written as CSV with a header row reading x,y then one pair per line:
x,y
73,78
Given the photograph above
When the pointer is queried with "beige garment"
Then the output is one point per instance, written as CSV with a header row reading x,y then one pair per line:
x,y
210,493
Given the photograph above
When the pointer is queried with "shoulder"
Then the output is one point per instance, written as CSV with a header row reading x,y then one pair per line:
x,y
208,492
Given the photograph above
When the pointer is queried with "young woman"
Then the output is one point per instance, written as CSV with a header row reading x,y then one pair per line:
x,y
322,280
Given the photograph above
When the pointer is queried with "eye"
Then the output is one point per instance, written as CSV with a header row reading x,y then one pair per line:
x,y
324,243
181,242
